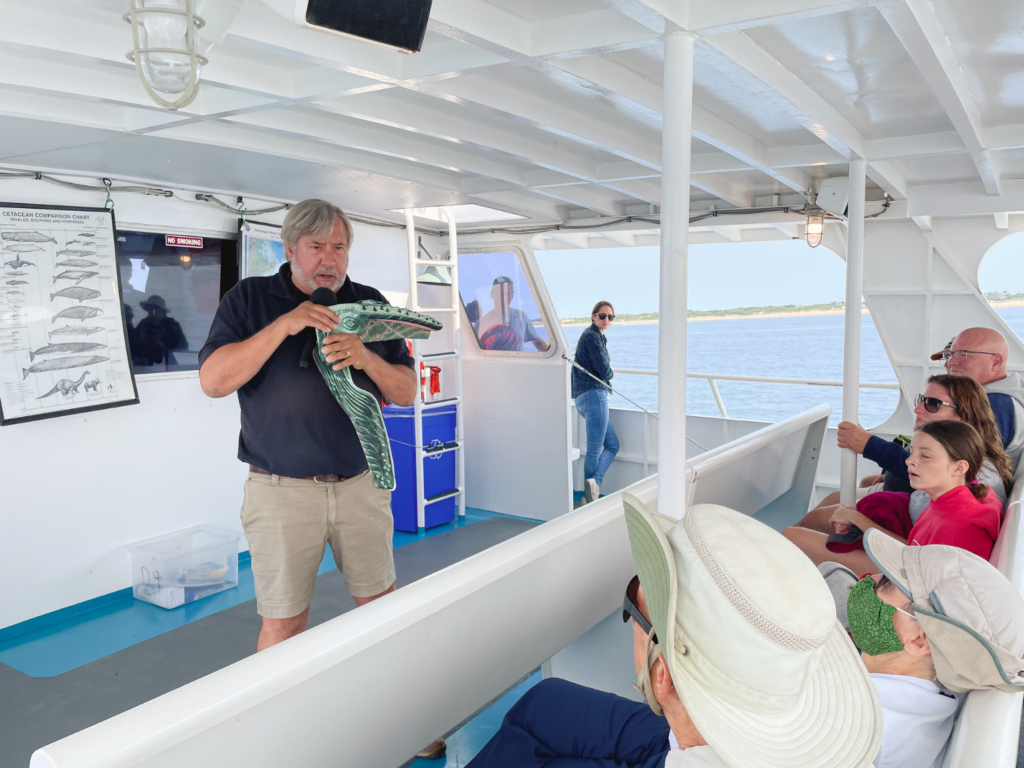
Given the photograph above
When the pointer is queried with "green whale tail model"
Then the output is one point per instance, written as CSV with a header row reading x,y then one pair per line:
x,y
371,321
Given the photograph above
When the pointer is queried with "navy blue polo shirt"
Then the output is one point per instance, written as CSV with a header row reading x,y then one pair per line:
x,y
291,423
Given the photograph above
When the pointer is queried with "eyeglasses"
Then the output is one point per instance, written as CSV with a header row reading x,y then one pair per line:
x,y
962,354
907,610
604,315
931,404
630,610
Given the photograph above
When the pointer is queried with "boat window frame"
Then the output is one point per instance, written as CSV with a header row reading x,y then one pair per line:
x,y
158,229
555,340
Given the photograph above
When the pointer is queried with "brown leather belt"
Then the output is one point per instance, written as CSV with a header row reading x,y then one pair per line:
x,y
314,478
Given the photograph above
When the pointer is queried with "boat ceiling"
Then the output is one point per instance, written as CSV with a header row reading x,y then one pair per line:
x,y
550,109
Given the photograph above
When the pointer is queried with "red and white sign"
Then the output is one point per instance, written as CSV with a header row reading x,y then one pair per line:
x,y
183,241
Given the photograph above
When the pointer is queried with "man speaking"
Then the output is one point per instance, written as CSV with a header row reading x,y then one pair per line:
x,y
308,477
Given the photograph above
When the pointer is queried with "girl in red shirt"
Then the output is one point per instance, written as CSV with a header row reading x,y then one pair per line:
x,y
945,457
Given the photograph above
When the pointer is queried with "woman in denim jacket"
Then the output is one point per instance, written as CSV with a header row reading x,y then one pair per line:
x,y
591,398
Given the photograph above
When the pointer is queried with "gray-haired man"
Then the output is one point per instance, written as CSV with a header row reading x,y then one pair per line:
x,y
308,481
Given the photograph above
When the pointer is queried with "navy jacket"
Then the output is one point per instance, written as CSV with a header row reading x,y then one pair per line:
x,y
592,354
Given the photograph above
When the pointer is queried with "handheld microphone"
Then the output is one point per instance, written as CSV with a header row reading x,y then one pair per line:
x,y
325,298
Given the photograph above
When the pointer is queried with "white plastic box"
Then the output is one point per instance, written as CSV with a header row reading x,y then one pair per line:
x,y
184,566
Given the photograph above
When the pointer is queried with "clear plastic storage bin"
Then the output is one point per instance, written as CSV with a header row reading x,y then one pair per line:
x,y
184,566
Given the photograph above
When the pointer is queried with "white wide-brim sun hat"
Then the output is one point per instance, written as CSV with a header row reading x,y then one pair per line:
x,y
748,627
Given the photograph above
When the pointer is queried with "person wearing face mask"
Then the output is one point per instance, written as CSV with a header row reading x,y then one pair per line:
x,y
739,656
936,622
945,458
946,398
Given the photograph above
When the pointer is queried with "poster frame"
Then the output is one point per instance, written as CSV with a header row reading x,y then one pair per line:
x,y
243,245
5,421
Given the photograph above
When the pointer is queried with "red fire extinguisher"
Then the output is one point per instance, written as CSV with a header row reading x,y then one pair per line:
x,y
435,382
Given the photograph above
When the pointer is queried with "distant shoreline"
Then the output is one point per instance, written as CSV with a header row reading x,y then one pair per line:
x,y
760,315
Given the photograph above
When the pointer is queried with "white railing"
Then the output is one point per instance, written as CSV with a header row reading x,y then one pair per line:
x,y
713,379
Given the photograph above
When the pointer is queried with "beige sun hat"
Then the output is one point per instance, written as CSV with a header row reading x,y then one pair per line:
x,y
748,629
971,614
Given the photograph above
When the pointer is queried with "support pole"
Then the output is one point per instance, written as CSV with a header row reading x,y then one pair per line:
x,y
851,337
675,226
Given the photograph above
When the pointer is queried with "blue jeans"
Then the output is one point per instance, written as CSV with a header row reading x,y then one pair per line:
x,y
602,442
558,724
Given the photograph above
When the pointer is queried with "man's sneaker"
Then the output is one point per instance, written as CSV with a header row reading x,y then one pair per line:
x,y
591,491
435,751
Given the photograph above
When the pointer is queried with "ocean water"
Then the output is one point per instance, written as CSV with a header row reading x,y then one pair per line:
x,y
779,347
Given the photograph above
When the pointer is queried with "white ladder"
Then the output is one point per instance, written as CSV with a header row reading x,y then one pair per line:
x,y
418,405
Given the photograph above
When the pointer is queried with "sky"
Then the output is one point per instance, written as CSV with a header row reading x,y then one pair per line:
x,y
724,276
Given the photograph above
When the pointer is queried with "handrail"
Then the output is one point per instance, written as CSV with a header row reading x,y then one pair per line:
x,y
713,379
758,379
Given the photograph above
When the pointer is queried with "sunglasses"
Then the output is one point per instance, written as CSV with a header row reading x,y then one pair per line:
x,y
962,354
630,609
604,315
931,404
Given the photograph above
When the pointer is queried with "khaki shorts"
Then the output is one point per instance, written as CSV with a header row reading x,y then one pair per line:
x,y
288,521
862,492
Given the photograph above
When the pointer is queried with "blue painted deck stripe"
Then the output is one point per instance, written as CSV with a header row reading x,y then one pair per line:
x,y
58,642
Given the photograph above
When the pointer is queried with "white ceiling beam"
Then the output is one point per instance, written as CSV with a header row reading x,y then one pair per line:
x,y
734,234
939,143
791,230
591,196
808,108
305,122
575,240
711,16
918,28
964,198
707,127
1002,220
456,123
924,223
1004,136
708,17
627,239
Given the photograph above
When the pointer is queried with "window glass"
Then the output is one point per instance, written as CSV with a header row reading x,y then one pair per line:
x,y
500,304
170,297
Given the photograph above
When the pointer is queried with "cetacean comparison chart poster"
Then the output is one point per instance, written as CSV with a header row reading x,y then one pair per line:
x,y
63,343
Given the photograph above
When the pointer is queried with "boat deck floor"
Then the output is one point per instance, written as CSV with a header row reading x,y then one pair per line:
x,y
35,711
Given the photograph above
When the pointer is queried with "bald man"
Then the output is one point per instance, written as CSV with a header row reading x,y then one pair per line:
x,y
980,354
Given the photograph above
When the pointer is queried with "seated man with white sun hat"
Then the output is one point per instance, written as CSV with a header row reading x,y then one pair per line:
x,y
736,644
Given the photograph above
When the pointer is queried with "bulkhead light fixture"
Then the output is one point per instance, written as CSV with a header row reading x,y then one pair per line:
x,y
815,228
169,38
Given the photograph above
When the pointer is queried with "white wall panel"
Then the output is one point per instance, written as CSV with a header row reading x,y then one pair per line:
x,y
75,489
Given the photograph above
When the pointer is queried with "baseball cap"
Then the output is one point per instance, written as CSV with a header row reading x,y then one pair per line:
x,y
938,355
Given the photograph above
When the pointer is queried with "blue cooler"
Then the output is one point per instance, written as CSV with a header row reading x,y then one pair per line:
x,y
438,470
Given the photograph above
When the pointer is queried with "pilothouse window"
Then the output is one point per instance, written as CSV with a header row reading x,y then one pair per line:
x,y
500,303
171,294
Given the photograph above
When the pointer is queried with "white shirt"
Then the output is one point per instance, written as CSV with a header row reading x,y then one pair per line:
x,y
918,719
693,757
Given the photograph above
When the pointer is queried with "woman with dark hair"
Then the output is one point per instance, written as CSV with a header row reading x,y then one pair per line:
x,y
591,395
946,398
945,458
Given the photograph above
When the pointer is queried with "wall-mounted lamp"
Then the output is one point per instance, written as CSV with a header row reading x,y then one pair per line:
x,y
815,229
169,38
186,261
